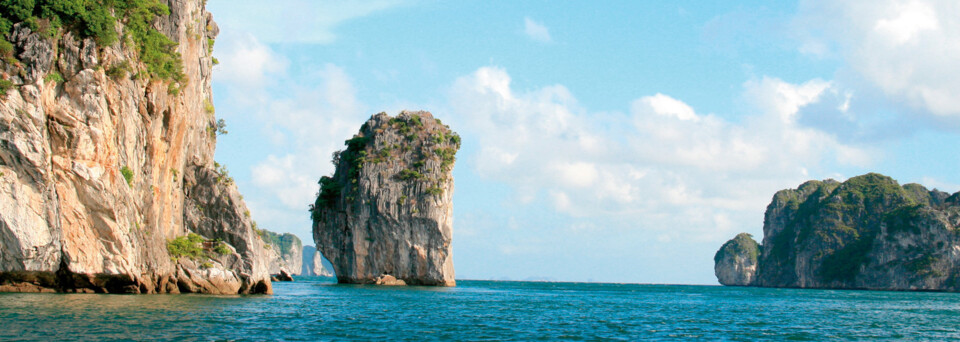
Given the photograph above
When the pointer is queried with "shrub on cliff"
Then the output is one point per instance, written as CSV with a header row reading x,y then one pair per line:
x,y
190,246
98,19
127,175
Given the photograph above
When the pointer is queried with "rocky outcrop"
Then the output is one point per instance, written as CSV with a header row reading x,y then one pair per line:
x,y
313,263
285,252
107,162
736,262
388,210
320,268
282,276
865,233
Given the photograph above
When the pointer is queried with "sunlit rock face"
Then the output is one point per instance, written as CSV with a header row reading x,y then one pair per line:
x,y
386,215
736,261
100,168
286,252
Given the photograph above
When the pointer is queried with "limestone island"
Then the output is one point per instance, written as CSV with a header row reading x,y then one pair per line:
x,y
386,215
107,177
865,233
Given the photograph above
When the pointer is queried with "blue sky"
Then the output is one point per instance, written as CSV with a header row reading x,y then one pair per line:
x,y
613,141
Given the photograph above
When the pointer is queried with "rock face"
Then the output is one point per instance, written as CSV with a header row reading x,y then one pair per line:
x,y
736,261
388,210
101,170
320,267
313,263
285,252
307,260
865,233
282,276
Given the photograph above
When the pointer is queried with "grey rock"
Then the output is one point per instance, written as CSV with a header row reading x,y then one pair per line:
x,y
388,209
865,233
319,266
736,261
313,263
286,252
307,260
36,52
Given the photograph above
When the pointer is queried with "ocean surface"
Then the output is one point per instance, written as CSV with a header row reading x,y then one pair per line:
x,y
314,308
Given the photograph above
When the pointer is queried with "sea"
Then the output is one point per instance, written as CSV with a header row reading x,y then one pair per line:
x,y
317,309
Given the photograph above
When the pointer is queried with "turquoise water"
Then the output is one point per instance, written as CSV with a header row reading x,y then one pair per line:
x,y
315,309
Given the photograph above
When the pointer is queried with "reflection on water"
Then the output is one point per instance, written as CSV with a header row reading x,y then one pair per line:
x,y
314,308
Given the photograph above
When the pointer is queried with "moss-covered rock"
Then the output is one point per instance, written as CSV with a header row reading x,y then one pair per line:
x,y
735,264
388,208
867,232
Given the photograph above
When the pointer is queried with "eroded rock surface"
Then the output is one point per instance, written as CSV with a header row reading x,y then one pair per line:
x,y
313,263
285,252
387,212
319,267
100,169
865,233
736,262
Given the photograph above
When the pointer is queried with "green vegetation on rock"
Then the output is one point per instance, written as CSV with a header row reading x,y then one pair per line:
x,y
837,227
409,141
189,246
54,77
5,85
408,175
285,243
742,244
903,219
98,19
127,174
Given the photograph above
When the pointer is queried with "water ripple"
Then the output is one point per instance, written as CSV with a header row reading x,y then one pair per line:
x,y
314,309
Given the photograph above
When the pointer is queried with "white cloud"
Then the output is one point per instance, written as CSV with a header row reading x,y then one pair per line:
x,y
244,61
576,174
536,31
294,21
904,48
908,20
660,166
314,120
665,105
285,178
301,118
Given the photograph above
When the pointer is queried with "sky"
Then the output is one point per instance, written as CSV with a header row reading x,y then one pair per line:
x,y
615,141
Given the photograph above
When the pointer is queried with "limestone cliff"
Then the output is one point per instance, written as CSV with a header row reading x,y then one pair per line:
x,y
313,263
320,267
386,215
285,252
107,159
736,261
865,233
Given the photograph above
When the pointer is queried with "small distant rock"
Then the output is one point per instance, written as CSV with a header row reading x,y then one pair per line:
x,y
736,262
282,276
389,280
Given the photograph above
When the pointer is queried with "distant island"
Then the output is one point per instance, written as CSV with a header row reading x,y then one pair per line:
x,y
865,233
